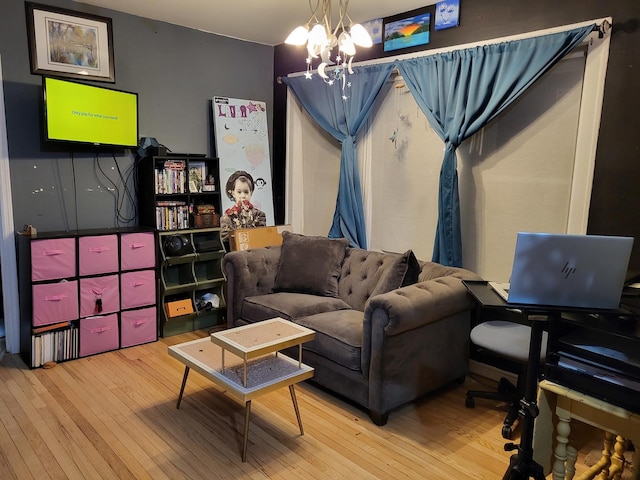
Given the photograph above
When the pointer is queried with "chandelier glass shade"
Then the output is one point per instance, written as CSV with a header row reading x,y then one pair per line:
x,y
331,45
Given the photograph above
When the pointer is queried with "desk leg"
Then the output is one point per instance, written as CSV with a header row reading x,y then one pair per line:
x,y
184,382
563,429
292,390
247,414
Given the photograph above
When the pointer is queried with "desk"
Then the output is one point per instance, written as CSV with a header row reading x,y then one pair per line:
x,y
567,405
572,360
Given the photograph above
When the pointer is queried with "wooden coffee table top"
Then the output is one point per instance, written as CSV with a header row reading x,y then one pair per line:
x,y
256,339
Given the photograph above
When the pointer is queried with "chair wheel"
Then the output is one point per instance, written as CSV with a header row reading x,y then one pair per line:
x,y
469,402
507,432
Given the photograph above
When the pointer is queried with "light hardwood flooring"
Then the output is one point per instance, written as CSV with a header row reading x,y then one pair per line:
x,y
114,416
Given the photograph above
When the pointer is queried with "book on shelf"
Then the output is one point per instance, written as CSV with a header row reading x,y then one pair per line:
x,y
54,345
170,177
172,215
53,326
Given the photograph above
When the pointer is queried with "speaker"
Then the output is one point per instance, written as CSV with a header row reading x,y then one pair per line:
x,y
176,245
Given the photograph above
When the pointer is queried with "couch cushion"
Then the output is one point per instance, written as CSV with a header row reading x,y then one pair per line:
x,y
403,271
310,264
290,306
366,273
338,337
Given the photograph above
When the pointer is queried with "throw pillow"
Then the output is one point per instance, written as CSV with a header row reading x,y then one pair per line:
x,y
402,272
310,264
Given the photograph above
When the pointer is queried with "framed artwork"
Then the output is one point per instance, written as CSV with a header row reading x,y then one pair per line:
x,y
197,176
242,144
374,28
65,43
447,14
407,32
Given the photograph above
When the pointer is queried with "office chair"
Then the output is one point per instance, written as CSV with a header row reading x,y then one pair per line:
x,y
510,342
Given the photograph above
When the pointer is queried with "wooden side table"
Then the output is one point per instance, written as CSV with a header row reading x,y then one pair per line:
x,y
255,368
566,404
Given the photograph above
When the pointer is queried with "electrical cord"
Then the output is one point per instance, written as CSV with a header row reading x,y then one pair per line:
x,y
75,190
125,181
119,195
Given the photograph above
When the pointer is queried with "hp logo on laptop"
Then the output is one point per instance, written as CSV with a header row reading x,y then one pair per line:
x,y
567,270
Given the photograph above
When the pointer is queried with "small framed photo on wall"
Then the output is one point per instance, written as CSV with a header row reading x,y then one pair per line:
x,y
447,14
71,44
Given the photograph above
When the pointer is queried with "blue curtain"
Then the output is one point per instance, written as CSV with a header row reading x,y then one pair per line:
x,y
463,90
342,112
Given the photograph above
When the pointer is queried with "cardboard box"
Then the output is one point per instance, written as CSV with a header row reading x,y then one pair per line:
x,y
246,238
179,307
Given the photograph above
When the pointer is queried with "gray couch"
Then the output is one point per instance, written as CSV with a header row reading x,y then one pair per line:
x,y
389,328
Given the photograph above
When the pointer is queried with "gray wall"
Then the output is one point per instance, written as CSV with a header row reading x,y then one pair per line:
x,y
176,71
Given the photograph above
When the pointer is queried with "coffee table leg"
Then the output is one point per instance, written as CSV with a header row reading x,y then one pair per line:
x,y
292,390
247,413
184,382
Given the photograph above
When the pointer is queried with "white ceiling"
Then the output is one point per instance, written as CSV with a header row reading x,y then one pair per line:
x,y
261,21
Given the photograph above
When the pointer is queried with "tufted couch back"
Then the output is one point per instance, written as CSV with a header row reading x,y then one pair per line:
x,y
361,272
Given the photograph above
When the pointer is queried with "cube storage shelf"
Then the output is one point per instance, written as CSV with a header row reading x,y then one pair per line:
x,y
179,192
86,292
179,195
190,280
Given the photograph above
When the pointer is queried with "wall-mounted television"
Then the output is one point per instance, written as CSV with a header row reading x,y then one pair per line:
x,y
90,115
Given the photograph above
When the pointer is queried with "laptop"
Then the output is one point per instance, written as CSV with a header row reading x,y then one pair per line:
x,y
585,271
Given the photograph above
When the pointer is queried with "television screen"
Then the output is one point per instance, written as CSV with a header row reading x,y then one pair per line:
x,y
77,112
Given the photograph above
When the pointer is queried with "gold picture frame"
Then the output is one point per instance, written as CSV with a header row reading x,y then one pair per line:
x,y
70,44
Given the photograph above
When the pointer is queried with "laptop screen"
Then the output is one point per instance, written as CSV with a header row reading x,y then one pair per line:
x,y
569,270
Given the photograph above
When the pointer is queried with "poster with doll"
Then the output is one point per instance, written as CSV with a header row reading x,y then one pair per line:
x,y
242,145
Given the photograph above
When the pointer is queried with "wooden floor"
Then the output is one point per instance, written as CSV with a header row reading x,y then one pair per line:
x,y
114,416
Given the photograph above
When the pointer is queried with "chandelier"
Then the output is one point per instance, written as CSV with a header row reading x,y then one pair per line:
x,y
322,39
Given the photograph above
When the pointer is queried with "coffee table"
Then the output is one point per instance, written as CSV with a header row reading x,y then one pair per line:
x,y
255,366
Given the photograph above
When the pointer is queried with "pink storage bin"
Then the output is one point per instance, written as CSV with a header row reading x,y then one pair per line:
x,y
98,334
106,288
138,326
53,258
98,254
54,302
137,250
137,289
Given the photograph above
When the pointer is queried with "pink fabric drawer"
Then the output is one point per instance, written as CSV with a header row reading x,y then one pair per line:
x,y
138,326
98,334
54,302
137,289
53,258
98,254
106,288
137,250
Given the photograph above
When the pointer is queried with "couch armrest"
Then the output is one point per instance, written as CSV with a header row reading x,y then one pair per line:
x,y
248,273
416,305
415,340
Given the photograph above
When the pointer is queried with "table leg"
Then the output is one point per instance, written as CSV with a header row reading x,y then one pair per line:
x,y
635,461
570,464
618,461
563,429
184,382
292,390
247,414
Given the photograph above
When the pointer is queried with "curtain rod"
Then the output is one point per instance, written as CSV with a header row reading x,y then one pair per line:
x,y
603,27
